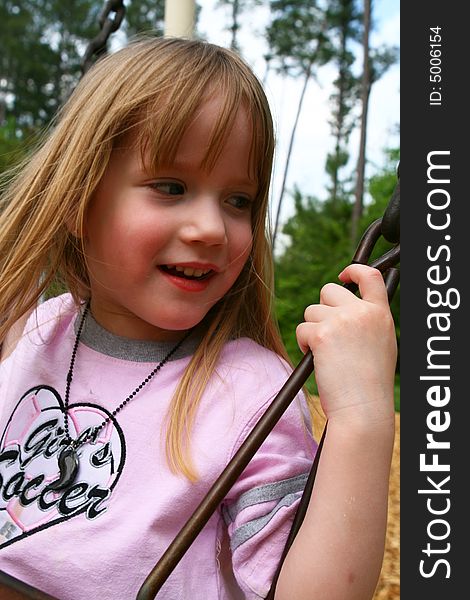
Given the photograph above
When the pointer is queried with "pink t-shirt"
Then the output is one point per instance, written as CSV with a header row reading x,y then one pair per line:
x,y
102,536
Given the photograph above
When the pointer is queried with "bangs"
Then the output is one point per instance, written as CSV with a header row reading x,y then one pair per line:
x,y
159,123
159,132
145,96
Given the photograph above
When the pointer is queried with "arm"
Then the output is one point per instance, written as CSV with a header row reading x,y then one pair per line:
x,y
338,551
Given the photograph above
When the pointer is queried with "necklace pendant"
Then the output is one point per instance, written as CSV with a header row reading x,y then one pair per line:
x,y
68,468
68,457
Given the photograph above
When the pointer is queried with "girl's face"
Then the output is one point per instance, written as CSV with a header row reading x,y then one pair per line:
x,y
163,247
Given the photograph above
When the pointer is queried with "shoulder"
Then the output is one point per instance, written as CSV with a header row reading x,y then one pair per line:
x,y
248,359
40,323
243,386
13,336
251,376
50,315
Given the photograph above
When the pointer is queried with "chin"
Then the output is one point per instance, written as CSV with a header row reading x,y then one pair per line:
x,y
180,324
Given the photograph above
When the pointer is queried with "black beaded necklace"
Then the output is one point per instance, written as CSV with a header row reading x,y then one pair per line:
x,y
68,457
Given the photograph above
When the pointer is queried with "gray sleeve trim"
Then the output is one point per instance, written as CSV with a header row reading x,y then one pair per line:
x,y
265,493
286,491
248,530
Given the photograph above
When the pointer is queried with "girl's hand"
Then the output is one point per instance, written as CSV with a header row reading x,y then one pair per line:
x,y
354,347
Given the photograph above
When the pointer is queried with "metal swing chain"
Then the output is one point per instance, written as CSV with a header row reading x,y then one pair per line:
x,y
11,587
97,45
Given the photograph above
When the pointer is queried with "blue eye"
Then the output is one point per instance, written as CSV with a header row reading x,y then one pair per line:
x,y
240,202
170,188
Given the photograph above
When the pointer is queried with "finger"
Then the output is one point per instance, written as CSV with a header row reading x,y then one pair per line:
x,y
316,312
333,294
370,281
304,333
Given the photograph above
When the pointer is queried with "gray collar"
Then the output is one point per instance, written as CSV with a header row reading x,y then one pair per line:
x,y
97,338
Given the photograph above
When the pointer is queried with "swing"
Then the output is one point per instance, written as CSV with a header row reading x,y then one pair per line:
x,y
387,227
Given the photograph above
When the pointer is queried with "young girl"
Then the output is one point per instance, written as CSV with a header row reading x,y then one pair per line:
x,y
123,400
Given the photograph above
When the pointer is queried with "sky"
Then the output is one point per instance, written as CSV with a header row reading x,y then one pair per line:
x,y
313,140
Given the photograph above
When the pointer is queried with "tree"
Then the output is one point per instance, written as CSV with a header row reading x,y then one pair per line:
x,y
42,46
68,27
235,6
143,16
298,42
26,93
343,18
375,64
365,92
317,250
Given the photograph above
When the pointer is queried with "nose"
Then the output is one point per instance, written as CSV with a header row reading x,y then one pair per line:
x,y
205,223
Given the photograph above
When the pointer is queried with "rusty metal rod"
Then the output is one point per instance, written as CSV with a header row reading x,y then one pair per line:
x,y
226,480
12,588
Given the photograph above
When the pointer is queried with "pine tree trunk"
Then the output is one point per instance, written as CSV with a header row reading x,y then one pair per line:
x,y
235,25
289,151
340,119
365,93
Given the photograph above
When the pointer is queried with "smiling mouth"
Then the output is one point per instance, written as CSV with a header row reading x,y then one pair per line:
x,y
187,272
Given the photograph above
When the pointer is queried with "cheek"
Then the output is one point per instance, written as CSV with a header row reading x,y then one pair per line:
x,y
127,235
242,242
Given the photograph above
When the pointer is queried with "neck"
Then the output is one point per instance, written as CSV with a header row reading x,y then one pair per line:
x,y
100,339
127,325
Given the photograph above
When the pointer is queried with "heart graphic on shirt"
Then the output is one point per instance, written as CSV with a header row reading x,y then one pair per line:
x,y
29,449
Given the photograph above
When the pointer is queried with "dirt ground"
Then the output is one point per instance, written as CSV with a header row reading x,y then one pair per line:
x,y
388,587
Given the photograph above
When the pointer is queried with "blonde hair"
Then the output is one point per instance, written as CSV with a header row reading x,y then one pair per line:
x,y
152,89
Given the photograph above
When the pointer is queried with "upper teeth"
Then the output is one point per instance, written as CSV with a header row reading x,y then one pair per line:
x,y
190,272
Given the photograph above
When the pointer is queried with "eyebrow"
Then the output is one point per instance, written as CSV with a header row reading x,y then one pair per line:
x,y
182,166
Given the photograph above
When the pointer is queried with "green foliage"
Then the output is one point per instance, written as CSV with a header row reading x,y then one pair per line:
x,y
381,59
23,77
297,36
42,45
10,145
318,245
144,16
41,42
